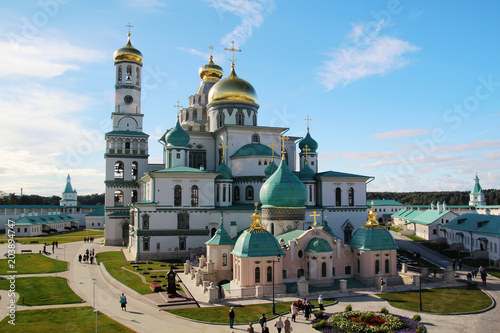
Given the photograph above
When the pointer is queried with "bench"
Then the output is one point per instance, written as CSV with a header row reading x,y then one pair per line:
x,y
155,286
26,251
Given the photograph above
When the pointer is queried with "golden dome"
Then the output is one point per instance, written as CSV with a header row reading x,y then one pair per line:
x,y
232,88
128,53
211,72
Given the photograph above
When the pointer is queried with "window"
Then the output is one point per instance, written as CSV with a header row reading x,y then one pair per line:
x,y
300,272
119,78
255,138
220,119
285,274
138,76
257,274
377,267
128,75
119,170
240,118
249,193
269,274
236,193
145,221
177,196
323,269
387,267
265,162
212,232
134,170
127,145
134,196
310,193
218,193
338,197
178,156
186,113
118,198
157,246
145,245
260,162
223,193
300,254
333,271
351,197
359,266
183,221
194,196
347,270
224,259
182,244
195,115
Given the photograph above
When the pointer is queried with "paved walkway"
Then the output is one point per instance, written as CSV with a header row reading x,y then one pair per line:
x,y
142,316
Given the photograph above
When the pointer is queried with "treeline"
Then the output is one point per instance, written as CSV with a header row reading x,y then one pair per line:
x,y
13,199
425,198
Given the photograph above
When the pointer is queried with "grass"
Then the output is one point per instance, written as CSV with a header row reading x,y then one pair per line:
x,y
109,256
42,291
79,319
243,313
424,263
396,229
72,236
414,238
434,246
440,301
494,272
33,264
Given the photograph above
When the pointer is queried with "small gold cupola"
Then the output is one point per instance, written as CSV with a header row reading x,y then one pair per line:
x,y
128,53
372,217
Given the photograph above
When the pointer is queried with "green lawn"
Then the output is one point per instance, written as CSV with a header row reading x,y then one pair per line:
x,y
79,319
109,256
441,301
424,262
73,236
414,238
396,229
33,264
42,291
494,272
434,246
243,314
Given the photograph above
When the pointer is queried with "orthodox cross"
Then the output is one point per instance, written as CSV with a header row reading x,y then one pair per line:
x,y
129,26
211,49
232,49
283,138
223,146
178,106
273,146
306,150
308,120
314,215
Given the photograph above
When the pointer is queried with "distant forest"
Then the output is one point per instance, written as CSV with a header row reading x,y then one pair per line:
x,y
5,199
425,198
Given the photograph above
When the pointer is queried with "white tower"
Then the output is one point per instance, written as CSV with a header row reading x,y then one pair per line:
x,y
126,145
69,196
476,196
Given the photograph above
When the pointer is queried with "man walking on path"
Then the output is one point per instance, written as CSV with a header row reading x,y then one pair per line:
x,y
279,324
123,302
320,303
262,320
288,326
231,317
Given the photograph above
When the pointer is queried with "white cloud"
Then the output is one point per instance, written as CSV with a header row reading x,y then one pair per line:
x,y
42,58
403,133
147,5
251,13
366,54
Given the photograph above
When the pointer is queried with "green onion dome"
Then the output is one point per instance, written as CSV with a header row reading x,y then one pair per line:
x,y
271,168
310,142
224,170
372,238
177,136
307,173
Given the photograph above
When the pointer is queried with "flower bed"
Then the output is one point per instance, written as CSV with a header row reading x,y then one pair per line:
x,y
374,322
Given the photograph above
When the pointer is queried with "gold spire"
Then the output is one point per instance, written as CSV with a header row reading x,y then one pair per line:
x,y
232,49
223,146
273,146
372,217
256,219
306,150
308,120
314,215
283,138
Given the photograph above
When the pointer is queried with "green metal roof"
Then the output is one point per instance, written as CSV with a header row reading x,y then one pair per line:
x,y
477,187
221,237
127,133
177,136
339,174
254,149
181,169
257,243
383,202
98,212
120,214
421,217
44,219
271,168
306,173
477,223
318,245
224,170
406,213
283,189
328,230
291,235
69,188
373,238
310,142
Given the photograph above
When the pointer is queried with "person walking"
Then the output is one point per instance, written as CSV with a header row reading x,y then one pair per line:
x,y
288,326
250,328
265,329
460,264
293,311
262,320
382,283
123,302
231,317
307,310
279,324
80,258
483,277
320,303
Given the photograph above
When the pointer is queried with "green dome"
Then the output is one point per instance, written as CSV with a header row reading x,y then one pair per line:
x,y
373,238
257,243
307,173
225,171
270,169
221,237
310,142
318,245
254,149
177,136
283,189
328,230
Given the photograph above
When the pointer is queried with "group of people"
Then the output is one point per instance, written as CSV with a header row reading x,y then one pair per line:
x,y
88,239
473,274
87,257
457,264
280,324
305,306
55,244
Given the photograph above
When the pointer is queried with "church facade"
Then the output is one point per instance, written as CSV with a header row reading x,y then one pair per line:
x,y
217,160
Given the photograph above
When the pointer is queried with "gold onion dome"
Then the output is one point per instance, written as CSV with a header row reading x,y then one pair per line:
x,y
232,88
211,72
128,53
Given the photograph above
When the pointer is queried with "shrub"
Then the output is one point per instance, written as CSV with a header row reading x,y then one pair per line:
x,y
416,318
384,310
320,324
366,317
348,308
420,329
319,314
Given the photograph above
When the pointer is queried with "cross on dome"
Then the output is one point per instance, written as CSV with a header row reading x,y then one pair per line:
x,y
211,49
273,146
232,49
315,215
283,138
178,106
308,120
223,146
129,26
306,151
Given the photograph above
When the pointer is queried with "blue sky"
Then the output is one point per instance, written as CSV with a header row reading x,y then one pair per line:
x,y
405,91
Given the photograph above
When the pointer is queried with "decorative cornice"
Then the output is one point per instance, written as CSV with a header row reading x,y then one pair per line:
x,y
174,232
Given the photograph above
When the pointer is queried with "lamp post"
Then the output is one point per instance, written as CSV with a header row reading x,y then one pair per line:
x,y
420,286
274,307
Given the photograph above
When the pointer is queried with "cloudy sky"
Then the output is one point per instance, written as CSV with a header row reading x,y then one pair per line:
x,y
405,91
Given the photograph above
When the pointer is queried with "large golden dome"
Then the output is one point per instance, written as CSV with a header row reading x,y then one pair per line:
x,y
128,53
211,72
232,88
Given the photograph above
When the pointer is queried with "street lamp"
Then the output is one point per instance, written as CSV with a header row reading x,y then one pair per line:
x,y
94,281
274,307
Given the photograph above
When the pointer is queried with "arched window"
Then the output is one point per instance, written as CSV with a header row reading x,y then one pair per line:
x,y
240,118
138,76
254,120
220,119
323,269
134,196
119,170
351,197
249,193
119,78
359,266
236,193
134,170
145,246
257,274
127,145
177,196
194,196
300,272
377,266
347,270
118,198
128,75
272,228
224,259
265,162
195,115
260,162
387,267
338,197
223,193
218,193
145,221
182,244
333,271
255,138
269,274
